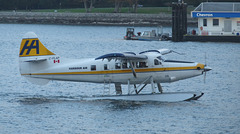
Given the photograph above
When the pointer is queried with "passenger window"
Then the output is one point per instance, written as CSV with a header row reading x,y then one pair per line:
x,y
105,67
93,67
142,64
124,65
137,64
146,64
117,66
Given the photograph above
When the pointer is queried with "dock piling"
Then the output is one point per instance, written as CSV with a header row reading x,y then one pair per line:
x,y
179,21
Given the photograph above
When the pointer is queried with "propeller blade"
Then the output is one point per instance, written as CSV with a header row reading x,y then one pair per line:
x,y
205,57
205,72
204,78
206,68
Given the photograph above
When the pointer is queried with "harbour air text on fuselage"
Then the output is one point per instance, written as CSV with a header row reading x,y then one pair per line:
x,y
39,65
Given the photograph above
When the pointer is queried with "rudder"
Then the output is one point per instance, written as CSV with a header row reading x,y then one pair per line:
x,y
33,57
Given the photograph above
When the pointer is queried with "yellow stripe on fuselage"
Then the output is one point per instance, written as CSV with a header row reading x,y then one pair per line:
x,y
123,71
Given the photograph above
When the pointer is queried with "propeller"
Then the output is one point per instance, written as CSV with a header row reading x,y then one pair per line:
x,y
205,64
204,77
206,68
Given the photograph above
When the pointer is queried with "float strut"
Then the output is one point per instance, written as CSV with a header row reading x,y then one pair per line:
x,y
152,84
141,88
159,88
135,87
128,86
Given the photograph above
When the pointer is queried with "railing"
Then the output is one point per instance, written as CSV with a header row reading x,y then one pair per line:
x,y
218,6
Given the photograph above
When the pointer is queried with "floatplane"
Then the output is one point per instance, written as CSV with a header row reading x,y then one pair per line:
x,y
39,65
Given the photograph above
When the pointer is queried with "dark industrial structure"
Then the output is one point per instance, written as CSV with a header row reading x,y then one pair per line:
x,y
179,21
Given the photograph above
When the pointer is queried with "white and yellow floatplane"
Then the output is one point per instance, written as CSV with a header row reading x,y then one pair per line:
x,y
39,66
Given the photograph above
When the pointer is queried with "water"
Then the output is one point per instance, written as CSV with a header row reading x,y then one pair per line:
x,y
58,108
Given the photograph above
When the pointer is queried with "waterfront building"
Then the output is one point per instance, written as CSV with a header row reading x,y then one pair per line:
x,y
218,18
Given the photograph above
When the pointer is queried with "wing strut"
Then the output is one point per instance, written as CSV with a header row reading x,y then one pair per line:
x,y
132,68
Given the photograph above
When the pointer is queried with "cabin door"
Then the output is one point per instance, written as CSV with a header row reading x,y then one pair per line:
x,y
107,77
227,25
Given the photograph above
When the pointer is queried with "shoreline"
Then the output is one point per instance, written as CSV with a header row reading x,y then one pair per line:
x,y
106,19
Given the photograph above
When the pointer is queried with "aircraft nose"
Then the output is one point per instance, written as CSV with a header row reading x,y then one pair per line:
x,y
206,68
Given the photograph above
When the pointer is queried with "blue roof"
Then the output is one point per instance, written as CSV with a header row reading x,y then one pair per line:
x,y
111,55
125,55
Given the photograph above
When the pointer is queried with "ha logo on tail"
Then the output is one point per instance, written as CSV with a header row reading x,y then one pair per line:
x,y
31,46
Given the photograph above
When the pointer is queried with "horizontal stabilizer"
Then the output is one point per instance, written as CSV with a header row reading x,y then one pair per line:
x,y
36,60
38,81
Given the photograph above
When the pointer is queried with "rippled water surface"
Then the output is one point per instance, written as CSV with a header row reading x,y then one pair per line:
x,y
58,107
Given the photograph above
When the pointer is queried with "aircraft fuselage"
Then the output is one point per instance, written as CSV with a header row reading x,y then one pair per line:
x,y
114,71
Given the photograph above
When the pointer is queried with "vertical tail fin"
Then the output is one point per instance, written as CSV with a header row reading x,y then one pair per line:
x,y
29,61
31,46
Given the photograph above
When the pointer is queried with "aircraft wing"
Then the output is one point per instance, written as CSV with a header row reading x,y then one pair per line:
x,y
123,56
167,51
161,51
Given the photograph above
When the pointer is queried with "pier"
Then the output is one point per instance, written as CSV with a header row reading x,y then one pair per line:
x,y
112,19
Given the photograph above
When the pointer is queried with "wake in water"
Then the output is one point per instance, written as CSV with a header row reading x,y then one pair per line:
x,y
39,99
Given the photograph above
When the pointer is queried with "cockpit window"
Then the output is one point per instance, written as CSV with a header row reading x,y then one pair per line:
x,y
156,62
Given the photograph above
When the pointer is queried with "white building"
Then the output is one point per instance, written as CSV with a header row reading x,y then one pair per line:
x,y
218,18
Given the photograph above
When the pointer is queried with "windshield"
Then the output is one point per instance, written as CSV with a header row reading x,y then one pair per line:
x,y
161,58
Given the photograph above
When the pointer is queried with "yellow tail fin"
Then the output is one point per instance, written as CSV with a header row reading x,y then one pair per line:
x,y
31,46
